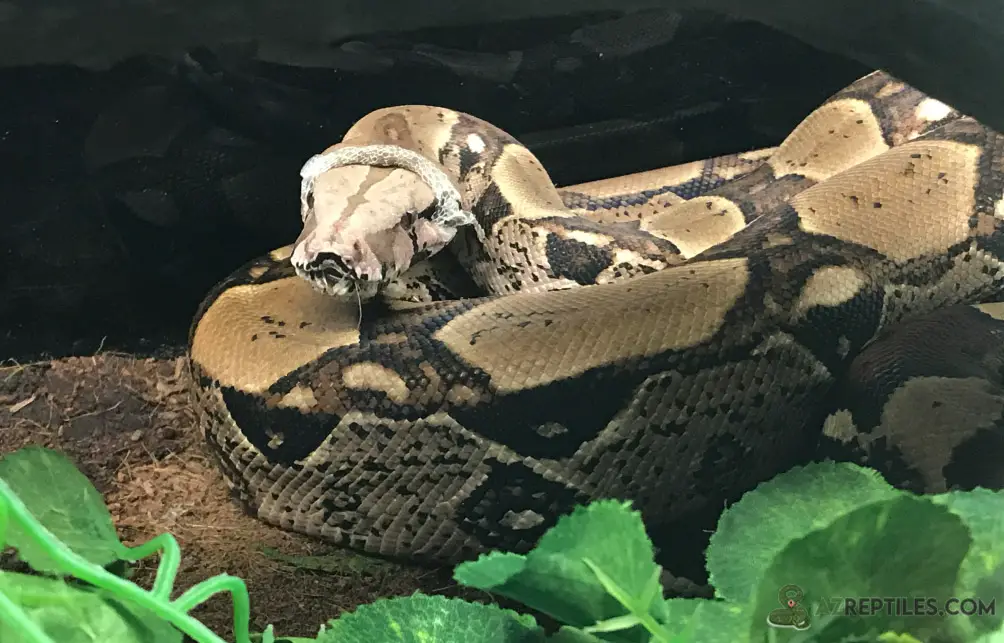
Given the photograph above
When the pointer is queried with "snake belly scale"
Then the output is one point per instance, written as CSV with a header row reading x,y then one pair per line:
x,y
672,337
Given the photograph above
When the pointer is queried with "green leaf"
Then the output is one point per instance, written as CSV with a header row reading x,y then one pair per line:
x,y
65,502
789,506
689,621
706,621
992,637
983,512
71,615
490,570
431,619
905,546
555,579
981,576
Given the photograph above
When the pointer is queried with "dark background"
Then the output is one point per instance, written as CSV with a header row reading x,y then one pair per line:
x,y
134,180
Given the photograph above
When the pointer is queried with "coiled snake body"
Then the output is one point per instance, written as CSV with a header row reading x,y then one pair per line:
x,y
672,337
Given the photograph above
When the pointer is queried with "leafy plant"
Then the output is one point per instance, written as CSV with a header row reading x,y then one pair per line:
x,y
833,532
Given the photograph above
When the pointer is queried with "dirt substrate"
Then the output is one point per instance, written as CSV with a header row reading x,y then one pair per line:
x,y
128,426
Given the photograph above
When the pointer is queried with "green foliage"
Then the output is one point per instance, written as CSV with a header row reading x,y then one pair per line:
x,y
65,502
72,615
824,536
571,571
422,619
871,551
805,500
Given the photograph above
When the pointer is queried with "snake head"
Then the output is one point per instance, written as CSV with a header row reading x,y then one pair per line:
x,y
363,226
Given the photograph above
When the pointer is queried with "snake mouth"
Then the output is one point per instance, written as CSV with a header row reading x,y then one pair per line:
x,y
330,273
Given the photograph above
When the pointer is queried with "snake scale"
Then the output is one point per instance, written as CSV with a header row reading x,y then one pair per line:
x,y
672,337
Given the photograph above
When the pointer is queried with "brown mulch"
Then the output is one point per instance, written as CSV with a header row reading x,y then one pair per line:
x,y
128,425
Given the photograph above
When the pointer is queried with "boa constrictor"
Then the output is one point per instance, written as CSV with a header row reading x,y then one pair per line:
x,y
672,337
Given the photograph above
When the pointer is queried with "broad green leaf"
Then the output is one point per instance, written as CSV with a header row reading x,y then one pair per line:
x,y
65,502
789,506
981,576
902,547
431,619
710,621
555,579
490,570
992,637
71,615
688,621
983,512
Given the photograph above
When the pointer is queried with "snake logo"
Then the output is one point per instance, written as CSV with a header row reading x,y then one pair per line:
x,y
791,613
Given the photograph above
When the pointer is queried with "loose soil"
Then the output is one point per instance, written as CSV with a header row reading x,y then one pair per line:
x,y
128,425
